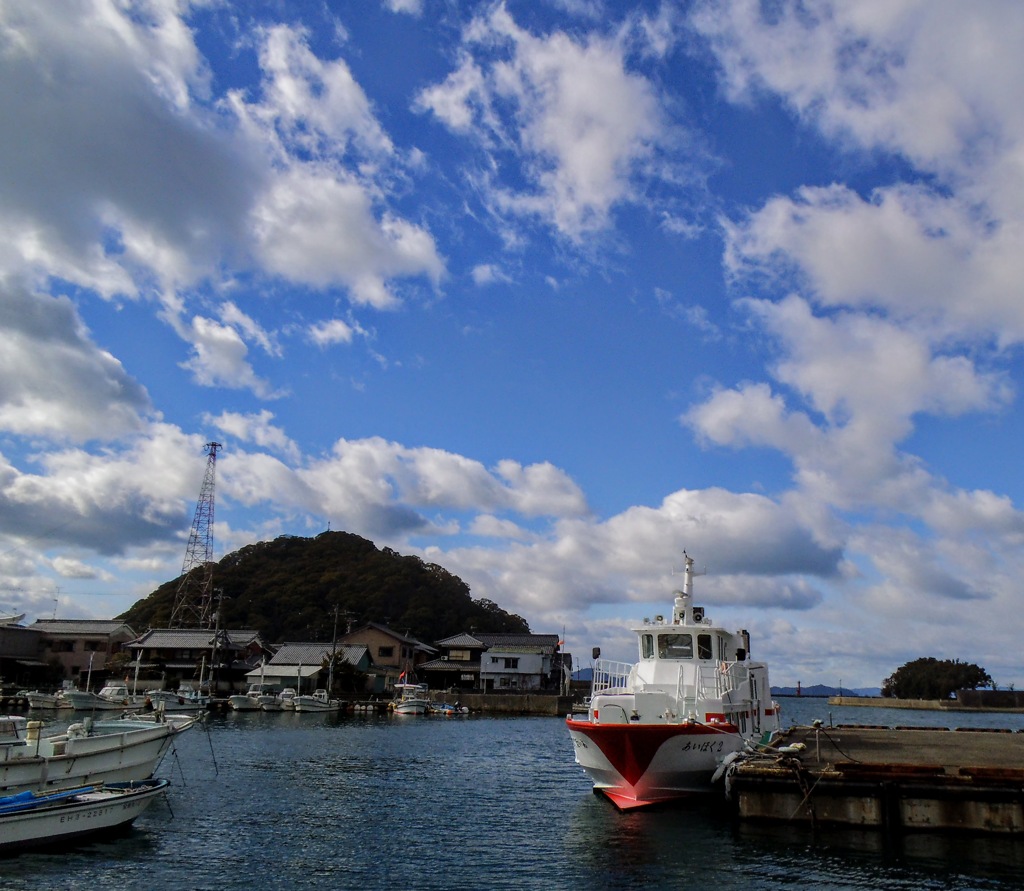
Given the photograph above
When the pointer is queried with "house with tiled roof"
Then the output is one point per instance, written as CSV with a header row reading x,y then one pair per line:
x,y
304,667
493,663
81,646
171,656
391,652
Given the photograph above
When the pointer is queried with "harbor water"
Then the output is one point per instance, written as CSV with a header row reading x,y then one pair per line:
x,y
293,801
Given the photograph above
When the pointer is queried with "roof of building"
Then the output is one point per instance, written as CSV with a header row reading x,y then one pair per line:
x,y
519,640
462,639
315,653
449,665
193,638
286,671
480,639
80,627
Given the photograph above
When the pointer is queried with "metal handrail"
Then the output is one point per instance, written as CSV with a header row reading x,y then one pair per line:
x,y
610,675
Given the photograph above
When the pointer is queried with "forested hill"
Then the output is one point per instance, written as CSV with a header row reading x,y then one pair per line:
x,y
288,588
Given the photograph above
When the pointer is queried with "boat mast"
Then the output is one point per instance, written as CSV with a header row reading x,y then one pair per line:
x,y
334,651
684,597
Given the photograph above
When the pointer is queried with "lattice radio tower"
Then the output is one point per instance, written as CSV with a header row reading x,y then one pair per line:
x,y
193,601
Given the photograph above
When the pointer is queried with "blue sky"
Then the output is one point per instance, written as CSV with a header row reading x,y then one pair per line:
x,y
543,292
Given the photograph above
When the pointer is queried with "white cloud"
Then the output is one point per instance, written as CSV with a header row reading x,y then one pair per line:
x,y
54,381
316,227
219,358
315,105
257,429
409,7
931,81
331,331
489,274
934,260
583,125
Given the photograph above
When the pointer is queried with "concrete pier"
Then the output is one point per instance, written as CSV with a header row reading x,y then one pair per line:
x,y
895,779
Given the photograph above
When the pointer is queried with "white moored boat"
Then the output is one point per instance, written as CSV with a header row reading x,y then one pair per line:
x,y
112,697
317,701
186,699
278,702
413,699
55,819
119,750
659,729
250,700
41,700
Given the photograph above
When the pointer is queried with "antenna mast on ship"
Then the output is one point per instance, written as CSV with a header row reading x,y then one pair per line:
x,y
193,601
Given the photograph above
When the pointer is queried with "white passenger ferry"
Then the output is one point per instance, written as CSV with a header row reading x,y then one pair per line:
x,y
660,728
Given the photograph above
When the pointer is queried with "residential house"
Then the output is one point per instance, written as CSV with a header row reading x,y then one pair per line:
x,y
172,656
83,648
492,663
391,654
304,667
20,662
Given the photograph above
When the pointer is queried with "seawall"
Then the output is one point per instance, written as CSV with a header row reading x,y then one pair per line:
x,y
972,704
511,703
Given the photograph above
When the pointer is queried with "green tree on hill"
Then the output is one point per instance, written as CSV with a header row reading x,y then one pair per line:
x,y
288,590
930,678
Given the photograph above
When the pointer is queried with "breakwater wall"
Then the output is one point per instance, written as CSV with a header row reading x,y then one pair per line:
x,y
511,703
966,701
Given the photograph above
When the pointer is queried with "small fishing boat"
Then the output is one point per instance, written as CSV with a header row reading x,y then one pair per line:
x,y
112,697
39,700
56,819
249,701
185,699
663,727
278,702
116,750
413,699
447,710
317,701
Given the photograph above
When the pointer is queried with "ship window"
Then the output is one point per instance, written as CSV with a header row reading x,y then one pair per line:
x,y
703,646
675,646
646,646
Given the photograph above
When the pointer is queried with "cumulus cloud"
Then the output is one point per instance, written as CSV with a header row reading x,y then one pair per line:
x,y
935,261
583,127
257,429
137,177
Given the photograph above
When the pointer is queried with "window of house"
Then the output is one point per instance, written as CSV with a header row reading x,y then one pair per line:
x,y
494,660
385,652
458,655
512,662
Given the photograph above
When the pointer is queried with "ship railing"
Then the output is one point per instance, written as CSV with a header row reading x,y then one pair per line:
x,y
714,681
613,677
